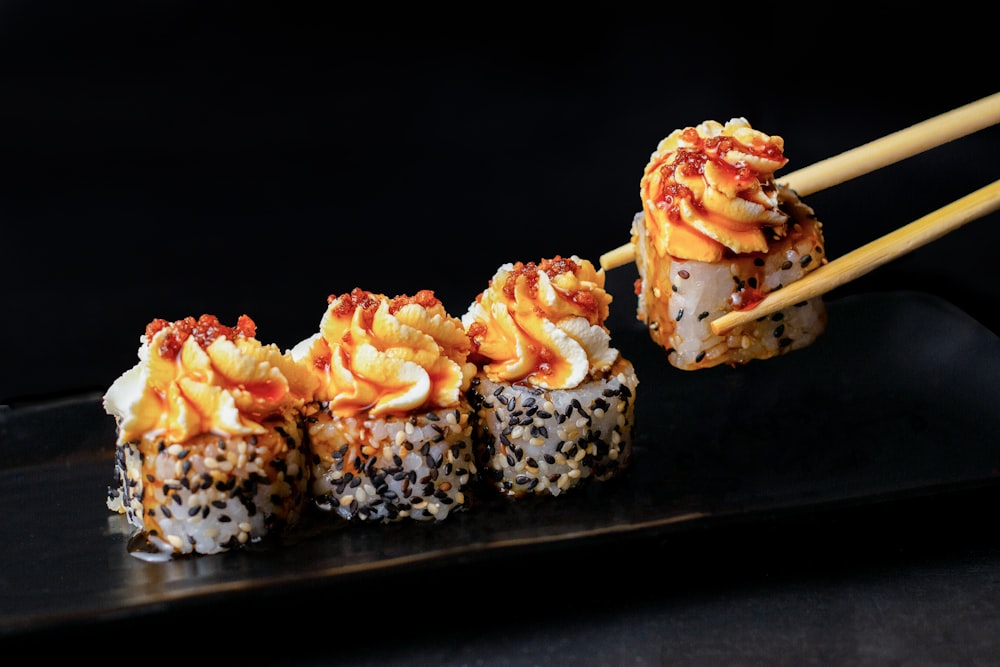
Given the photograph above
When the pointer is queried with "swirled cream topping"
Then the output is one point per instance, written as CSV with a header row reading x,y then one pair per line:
x,y
543,323
387,356
198,376
709,190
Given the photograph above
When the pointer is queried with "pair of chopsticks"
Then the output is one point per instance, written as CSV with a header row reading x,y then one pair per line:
x,y
864,159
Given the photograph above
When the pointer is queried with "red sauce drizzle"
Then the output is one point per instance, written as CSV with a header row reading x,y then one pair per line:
x,y
585,300
691,162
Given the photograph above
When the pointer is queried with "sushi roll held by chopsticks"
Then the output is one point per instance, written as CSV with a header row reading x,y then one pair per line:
x,y
210,453
390,427
717,234
555,400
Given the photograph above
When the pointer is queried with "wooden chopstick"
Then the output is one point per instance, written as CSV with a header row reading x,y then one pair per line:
x,y
869,256
868,157
895,147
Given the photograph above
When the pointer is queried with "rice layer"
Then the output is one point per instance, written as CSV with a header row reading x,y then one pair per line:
x,y
394,467
211,494
545,442
678,299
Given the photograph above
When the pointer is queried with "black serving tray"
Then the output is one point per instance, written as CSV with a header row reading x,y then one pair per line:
x,y
896,400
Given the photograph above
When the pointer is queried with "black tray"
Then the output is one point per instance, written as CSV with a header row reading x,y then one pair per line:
x,y
896,400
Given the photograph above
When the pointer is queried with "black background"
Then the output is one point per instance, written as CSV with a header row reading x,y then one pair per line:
x,y
169,158
165,159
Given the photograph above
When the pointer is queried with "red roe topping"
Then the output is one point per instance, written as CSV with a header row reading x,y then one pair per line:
x,y
528,272
359,299
205,329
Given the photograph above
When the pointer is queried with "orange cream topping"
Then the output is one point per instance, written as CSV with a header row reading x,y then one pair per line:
x,y
709,191
387,356
199,376
543,323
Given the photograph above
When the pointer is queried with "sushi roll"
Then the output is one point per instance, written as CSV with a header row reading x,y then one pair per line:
x,y
555,401
211,452
390,428
717,234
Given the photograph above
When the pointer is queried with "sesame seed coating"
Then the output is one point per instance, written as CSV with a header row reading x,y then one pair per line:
x,y
390,468
212,494
573,437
